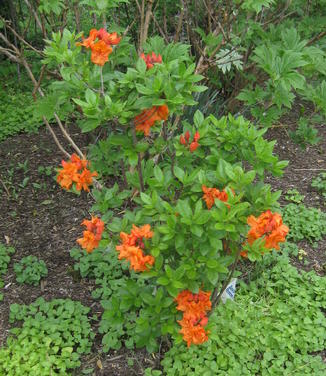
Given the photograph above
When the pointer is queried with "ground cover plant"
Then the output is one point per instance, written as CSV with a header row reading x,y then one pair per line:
x,y
319,183
5,255
16,104
30,270
177,160
50,341
306,223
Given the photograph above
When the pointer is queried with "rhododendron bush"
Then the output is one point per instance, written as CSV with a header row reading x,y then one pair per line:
x,y
189,202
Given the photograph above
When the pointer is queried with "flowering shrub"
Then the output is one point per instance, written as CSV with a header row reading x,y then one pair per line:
x,y
193,197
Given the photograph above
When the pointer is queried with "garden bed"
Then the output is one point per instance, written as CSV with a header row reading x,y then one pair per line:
x,y
38,218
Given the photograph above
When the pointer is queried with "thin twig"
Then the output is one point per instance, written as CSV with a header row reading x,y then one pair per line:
x,y
20,37
35,15
177,33
159,28
309,169
5,187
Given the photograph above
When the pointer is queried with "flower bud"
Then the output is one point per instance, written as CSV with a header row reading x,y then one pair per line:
x,y
193,146
182,140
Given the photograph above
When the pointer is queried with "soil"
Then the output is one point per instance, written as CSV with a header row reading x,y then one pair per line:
x,y
41,219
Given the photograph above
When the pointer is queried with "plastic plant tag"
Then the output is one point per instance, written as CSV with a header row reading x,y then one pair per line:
x,y
229,292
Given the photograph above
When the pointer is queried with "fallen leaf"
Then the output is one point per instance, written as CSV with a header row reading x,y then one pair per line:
x,y
99,364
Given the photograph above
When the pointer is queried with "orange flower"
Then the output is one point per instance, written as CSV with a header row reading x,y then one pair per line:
x,y
149,117
75,171
134,254
101,34
68,175
194,306
270,226
193,334
101,49
92,236
210,194
150,60
88,42
100,53
184,140
85,179
109,39
132,246
88,241
95,225
80,163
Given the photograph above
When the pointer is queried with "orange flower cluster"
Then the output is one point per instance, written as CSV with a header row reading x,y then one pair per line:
x,y
210,194
267,225
149,117
184,140
93,234
101,49
132,247
150,60
194,308
75,171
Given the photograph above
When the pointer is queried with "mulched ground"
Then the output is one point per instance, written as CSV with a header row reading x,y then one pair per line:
x,y
45,222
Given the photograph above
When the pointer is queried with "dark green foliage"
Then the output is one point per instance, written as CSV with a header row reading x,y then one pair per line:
x,y
30,270
50,341
103,266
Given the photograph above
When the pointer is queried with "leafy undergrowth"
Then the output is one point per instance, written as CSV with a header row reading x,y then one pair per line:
x,y
304,223
272,327
50,341
16,104
118,326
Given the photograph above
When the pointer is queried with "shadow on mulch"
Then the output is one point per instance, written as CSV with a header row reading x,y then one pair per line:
x,y
43,220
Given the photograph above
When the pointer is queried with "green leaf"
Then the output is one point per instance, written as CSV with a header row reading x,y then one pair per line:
x,y
159,176
179,173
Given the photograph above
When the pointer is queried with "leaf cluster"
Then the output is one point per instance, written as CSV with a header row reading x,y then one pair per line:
x,y
319,182
50,340
304,223
30,270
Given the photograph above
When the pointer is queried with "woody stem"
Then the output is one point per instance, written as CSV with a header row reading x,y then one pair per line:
x,y
102,82
140,174
216,298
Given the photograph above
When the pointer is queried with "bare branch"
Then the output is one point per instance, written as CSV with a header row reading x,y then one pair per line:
x,y
36,17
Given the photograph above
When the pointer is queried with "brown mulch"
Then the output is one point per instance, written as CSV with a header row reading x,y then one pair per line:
x,y
304,166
